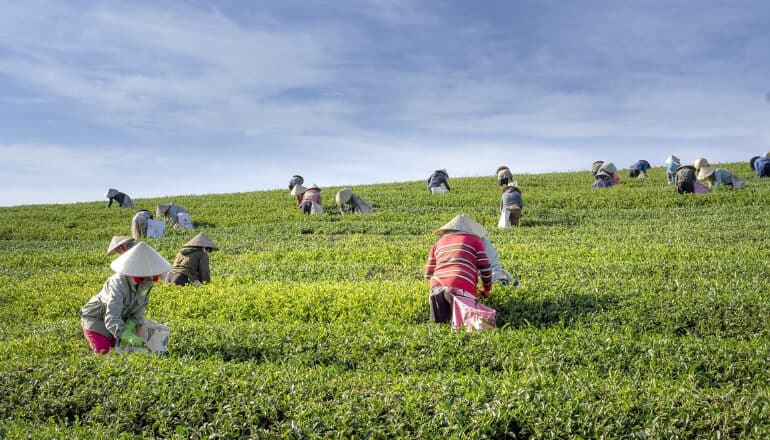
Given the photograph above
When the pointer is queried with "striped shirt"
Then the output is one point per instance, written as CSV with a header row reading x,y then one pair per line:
x,y
457,260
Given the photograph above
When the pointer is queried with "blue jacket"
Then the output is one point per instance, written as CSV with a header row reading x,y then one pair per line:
x,y
511,197
759,164
437,179
602,182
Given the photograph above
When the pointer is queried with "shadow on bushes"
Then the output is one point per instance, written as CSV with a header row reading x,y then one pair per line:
x,y
566,309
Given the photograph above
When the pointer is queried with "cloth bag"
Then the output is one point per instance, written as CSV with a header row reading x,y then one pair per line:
x,y
472,315
505,220
699,188
439,190
155,228
316,208
155,338
184,221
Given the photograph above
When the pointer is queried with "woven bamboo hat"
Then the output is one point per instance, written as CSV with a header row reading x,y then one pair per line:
x,y
201,241
672,159
463,223
140,261
298,189
609,167
752,160
700,163
705,173
343,196
502,167
118,241
767,154
314,186
112,192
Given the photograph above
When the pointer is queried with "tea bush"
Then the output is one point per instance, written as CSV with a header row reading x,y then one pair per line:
x,y
641,313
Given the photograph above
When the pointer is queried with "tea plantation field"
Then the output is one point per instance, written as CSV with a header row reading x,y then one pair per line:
x,y
641,314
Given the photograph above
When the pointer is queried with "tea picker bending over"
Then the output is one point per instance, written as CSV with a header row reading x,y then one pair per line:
x,y
191,264
760,165
311,200
672,163
436,180
639,169
175,215
295,180
455,263
511,204
355,203
716,177
124,201
139,223
114,313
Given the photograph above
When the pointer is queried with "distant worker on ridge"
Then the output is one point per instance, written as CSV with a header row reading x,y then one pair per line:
x,y
191,264
639,169
436,180
355,203
672,163
124,201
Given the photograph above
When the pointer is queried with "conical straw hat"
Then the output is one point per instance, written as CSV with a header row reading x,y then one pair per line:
x,y
298,189
502,167
111,192
672,159
700,163
343,196
705,172
767,154
201,241
140,261
609,167
463,223
116,242
314,186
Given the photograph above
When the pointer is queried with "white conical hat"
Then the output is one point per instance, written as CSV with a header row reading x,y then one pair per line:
x,y
700,163
343,196
140,261
672,159
463,223
298,189
116,242
705,172
609,167
201,241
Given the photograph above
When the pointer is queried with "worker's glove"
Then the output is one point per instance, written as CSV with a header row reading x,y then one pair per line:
x,y
485,292
130,338
130,325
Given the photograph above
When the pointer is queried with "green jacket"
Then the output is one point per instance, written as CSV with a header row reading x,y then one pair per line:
x,y
120,299
194,263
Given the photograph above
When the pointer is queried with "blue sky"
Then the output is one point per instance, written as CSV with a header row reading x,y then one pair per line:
x,y
196,97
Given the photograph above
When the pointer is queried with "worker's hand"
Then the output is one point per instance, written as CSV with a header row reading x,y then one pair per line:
x,y
130,325
485,292
130,338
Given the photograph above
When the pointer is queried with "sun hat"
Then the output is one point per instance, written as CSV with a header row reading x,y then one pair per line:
x,y
314,186
752,160
700,163
502,167
685,167
112,192
298,189
705,173
609,167
463,223
140,261
118,241
767,154
343,196
201,241
672,159
442,170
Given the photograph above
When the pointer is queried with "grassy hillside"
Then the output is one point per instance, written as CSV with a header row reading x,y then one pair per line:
x,y
642,313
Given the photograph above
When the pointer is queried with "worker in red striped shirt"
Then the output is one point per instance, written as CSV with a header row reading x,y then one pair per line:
x,y
455,263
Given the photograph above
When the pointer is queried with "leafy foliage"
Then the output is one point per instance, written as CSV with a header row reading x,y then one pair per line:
x,y
642,313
